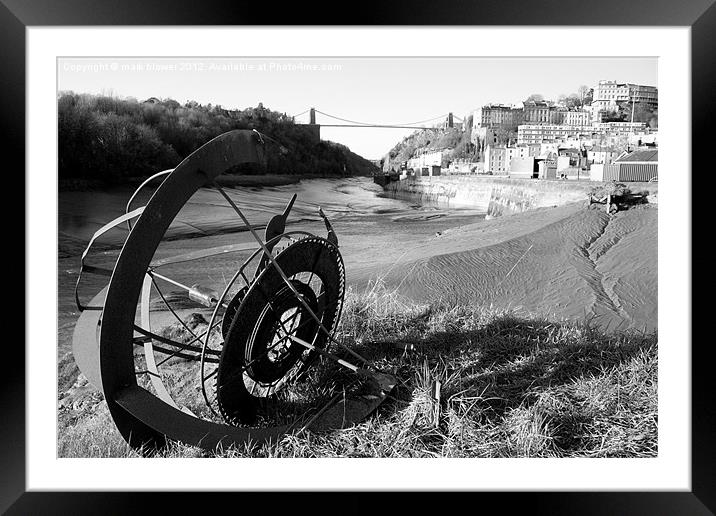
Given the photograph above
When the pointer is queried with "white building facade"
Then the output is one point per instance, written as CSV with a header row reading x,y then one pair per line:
x,y
425,159
537,134
608,93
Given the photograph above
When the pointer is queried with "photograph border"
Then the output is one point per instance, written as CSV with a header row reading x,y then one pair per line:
x,y
16,16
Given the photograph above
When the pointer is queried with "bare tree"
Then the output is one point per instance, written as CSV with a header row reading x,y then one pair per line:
x,y
585,94
537,97
573,101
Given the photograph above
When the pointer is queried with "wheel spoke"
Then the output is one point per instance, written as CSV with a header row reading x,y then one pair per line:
x,y
166,303
185,346
239,375
145,371
210,375
203,253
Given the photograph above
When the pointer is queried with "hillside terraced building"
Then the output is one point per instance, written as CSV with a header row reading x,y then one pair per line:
x,y
498,115
491,120
618,128
539,133
608,93
577,117
540,112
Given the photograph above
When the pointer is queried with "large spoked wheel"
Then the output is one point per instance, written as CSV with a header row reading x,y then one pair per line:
x,y
247,318
271,335
150,295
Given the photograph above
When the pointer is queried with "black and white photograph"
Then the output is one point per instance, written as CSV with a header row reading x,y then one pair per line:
x,y
426,252
374,257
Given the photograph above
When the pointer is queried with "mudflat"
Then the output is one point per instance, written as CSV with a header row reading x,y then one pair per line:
x,y
560,263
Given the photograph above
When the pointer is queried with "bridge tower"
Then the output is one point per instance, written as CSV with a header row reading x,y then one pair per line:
x,y
314,130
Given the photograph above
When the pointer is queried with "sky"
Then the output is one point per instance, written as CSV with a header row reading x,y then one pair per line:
x,y
390,91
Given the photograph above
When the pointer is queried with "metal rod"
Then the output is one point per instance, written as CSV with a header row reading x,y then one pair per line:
x,y
166,303
174,282
327,354
168,280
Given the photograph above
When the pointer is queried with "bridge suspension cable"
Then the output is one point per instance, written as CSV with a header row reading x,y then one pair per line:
x,y
368,124
301,113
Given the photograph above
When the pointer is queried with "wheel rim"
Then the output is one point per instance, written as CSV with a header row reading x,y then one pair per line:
x,y
246,373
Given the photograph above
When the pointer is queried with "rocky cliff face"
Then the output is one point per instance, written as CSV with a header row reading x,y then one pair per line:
x,y
453,141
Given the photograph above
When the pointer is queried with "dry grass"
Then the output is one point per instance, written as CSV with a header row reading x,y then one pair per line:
x,y
508,387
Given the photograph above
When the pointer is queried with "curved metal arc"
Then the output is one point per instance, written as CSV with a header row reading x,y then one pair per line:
x,y
151,364
140,187
101,231
174,424
85,347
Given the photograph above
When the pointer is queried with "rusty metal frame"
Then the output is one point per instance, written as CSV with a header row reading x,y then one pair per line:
x,y
148,420
144,420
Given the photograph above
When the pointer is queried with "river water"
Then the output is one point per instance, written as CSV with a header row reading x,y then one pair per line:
x,y
376,233
356,206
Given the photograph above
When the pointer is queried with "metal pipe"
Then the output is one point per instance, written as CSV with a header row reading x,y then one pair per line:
x,y
195,294
327,354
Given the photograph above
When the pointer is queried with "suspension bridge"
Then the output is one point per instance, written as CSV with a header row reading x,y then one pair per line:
x,y
446,121
336,121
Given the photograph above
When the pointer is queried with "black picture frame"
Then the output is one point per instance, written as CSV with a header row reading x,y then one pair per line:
x,y
700,15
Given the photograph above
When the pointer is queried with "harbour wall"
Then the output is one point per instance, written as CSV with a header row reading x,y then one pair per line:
x,y
499,196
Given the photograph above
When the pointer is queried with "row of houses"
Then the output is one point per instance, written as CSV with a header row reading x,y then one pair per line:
x,y
530,134
596,164
531,112
540,133
425,159
546,162
606,97
503,116
595,150
541,120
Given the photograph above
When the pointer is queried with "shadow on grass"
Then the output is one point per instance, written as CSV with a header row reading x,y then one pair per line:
x,y
568,384
509,387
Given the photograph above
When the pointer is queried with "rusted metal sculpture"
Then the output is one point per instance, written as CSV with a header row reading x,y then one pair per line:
x,y
267,326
